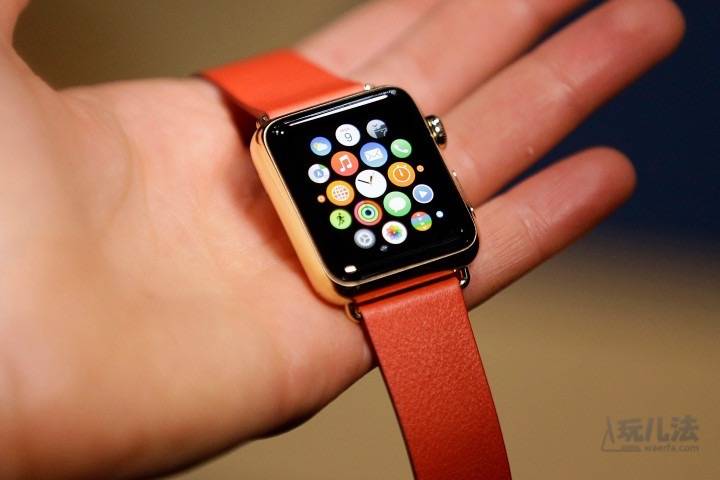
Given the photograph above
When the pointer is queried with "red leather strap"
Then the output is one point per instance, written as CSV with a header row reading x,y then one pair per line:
x,y
427,354
278,82
419,328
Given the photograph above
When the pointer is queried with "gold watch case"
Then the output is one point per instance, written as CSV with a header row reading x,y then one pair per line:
x,y
325,284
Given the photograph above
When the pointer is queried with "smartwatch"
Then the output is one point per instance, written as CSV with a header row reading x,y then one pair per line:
x,y
381,228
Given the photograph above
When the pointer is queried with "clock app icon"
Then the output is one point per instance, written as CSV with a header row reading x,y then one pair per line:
x,y
371,183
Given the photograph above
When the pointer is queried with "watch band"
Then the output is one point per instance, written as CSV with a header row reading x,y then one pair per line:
x,y
431,365
419,328
278,82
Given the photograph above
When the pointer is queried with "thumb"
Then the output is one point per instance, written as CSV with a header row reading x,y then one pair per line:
x,y
9,12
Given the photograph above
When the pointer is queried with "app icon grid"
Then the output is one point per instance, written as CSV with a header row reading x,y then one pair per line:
x,y
372,170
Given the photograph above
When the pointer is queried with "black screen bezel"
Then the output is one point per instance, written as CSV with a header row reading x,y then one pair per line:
x,y
456,253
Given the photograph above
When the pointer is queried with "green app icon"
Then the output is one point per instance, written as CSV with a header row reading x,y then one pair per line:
x,y
340,219
397,204
401,148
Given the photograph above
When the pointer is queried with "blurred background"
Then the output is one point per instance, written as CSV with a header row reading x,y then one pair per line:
x,y
625,325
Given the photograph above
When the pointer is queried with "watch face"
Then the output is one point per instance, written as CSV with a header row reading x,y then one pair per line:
x,y
370,185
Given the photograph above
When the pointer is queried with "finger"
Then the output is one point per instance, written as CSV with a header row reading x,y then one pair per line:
x,y
9,13
363,33
521,113
459,44
534,220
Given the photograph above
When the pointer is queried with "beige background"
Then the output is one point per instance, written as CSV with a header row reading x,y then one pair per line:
x,y
620,326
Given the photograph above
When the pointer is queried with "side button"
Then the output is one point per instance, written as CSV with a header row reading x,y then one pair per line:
x,y
461,190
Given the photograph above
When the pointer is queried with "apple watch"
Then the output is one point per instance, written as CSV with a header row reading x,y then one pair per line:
x,y
380,226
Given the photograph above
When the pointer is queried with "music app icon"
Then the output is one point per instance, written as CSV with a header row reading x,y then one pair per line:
x,y
344,163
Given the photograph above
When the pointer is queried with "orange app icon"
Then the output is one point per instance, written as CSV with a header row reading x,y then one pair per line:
x,y
340,193
401,174
344,163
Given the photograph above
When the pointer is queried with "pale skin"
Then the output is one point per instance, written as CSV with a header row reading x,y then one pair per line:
x,y
152,312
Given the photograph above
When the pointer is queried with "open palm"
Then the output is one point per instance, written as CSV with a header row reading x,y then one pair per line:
x,y
152,311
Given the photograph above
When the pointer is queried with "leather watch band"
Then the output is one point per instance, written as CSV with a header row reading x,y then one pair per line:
x,y
419,328
278,82
427,354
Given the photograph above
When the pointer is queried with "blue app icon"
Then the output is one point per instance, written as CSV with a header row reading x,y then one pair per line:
x,y
373,154
423,193
320,146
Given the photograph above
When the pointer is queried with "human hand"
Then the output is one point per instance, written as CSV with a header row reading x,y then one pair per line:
x,y
152,311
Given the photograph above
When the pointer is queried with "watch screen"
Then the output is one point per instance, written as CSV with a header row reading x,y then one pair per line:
x,y
370,185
